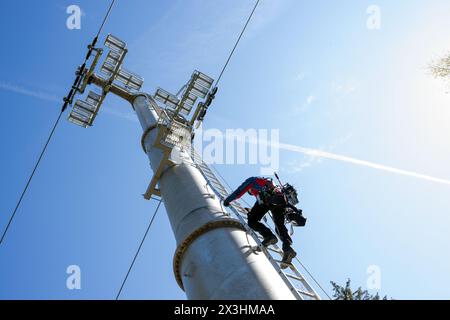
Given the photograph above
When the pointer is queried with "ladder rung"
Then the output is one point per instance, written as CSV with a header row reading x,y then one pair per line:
x,y
216,185
207,168
223,195
293,277
275,250
279,261
223,191
209,175
312,295
213,181
290,265
216,182
204,168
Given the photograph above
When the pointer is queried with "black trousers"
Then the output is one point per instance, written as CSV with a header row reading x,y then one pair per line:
x,y
257,213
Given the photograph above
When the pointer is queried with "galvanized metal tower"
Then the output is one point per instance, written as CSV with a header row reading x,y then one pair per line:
x,y
216,256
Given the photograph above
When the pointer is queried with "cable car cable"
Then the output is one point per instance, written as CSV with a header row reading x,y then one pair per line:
x,y
237,42
138,250
67,101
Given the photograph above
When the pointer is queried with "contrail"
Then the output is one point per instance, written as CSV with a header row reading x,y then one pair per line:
x,y
53,98
333,156
30,93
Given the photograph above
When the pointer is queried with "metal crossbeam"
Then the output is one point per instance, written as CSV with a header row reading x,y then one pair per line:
x,y
115,44
168,99
129,79
84,112
198,87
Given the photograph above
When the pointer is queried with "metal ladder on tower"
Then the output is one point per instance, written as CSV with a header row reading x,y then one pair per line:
x,y
296,282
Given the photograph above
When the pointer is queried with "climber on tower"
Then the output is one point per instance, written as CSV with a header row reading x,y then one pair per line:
x,y
269,197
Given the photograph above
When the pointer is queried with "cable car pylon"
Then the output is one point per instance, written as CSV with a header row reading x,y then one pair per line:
x,y
216,255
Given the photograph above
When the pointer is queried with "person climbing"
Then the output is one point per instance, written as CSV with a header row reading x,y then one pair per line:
x,y
269,197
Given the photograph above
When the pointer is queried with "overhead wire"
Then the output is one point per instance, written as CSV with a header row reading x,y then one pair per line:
x,y
105,18
217,82
237,42
138,250
30,178
215,169
67,101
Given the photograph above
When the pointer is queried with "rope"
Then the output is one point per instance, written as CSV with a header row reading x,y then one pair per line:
x,y
67,101
138,250
237,42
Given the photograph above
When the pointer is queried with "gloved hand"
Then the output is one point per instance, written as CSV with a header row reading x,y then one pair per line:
x,y
226,203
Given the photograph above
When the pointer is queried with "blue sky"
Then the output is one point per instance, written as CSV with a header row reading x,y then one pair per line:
x,y
310,69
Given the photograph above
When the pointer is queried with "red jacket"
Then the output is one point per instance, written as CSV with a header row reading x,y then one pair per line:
x,y
253,185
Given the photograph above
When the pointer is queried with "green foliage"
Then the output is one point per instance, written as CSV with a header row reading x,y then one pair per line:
x,y
440,68
346,293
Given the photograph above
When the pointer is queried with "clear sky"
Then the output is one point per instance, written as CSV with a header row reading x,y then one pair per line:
x,y
311,69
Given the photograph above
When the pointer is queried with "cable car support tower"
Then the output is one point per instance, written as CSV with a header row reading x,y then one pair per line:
x,y
216,256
